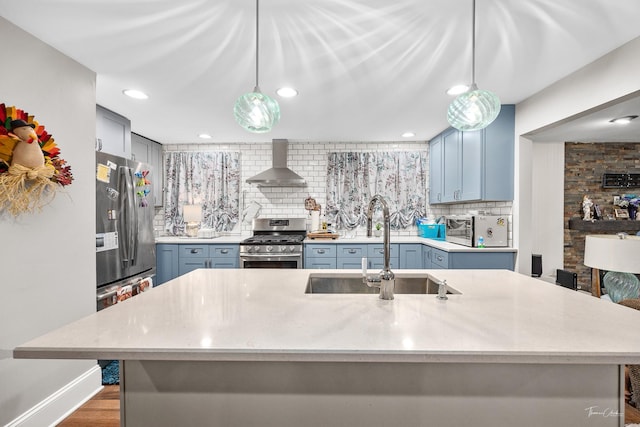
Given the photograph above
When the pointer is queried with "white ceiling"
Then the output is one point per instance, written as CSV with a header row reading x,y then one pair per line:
x,y
366,70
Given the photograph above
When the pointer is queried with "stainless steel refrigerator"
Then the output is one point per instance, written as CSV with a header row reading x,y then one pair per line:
x,y
125,246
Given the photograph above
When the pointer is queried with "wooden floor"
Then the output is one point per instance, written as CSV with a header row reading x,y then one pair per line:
x,y
103,410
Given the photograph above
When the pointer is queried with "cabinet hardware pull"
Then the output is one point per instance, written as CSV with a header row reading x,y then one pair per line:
x,y
194,251
352,251
224,251
320,251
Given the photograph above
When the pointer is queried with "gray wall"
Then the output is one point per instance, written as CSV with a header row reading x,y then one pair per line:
x,y
47,259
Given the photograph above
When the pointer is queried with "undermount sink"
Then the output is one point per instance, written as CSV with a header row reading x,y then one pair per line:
x,y
328,283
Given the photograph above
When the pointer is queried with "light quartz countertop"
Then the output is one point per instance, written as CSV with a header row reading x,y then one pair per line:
x,y
264,315
445,246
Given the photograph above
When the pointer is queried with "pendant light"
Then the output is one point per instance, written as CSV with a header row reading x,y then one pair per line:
x,y
476,108
255,111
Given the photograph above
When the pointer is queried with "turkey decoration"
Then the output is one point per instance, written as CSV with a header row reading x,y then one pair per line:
x,y
31,170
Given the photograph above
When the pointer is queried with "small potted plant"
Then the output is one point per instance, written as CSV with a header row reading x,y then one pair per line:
x,y
378,231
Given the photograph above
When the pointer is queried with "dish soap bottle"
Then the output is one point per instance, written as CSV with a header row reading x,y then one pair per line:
x,y
481,242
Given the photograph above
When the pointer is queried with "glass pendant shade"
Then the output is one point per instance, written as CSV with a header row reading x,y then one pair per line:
x,y
473,110
256,112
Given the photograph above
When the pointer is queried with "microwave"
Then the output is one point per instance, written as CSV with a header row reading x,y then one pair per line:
x,y
467,229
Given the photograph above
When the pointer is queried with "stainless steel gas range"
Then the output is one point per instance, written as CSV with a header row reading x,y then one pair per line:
x,y
276,243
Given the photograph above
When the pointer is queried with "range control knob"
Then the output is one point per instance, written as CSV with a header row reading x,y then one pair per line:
x,y
292,248
282,248
269,248
256,249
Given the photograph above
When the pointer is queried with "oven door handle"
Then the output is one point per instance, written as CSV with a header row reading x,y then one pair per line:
x,y
270,256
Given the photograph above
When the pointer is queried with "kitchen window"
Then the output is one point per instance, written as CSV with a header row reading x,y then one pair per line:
x,y
354,177
210,179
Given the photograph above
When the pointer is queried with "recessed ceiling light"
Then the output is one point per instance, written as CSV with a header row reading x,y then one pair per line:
x,y
133,93
287,92
204,136
623,120
457,89
408,135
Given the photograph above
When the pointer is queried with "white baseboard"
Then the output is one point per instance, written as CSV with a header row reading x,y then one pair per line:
x,y
63,402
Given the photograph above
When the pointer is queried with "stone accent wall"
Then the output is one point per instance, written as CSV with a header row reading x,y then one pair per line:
x,y
585,163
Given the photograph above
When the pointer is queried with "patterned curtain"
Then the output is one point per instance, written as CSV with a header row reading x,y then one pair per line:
x,y
353,178
210,179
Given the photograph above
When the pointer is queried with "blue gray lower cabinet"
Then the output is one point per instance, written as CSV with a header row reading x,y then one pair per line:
x,y
403,255
173,260
166,263
320,255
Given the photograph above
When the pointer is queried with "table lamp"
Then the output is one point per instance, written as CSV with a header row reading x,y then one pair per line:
x,y
619,254
192,216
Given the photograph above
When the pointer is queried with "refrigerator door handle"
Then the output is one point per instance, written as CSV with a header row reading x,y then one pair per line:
x,y
128,218
123,184
133,210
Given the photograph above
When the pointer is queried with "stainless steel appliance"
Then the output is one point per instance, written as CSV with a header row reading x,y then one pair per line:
x,y
276,243
467,229
125,245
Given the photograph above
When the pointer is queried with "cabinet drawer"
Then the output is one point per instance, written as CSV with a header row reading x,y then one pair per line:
x,y
352,251
194,251
377,250
439,258
320,251
226,251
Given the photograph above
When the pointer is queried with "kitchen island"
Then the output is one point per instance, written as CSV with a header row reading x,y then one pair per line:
x,y
250,347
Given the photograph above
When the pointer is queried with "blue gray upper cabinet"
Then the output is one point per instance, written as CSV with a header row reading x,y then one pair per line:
x,y
471,166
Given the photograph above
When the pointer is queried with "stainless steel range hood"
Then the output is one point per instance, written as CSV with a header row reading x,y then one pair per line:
x,y
279,175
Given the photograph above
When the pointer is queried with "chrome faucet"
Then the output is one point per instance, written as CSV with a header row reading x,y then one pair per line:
x,y
385,279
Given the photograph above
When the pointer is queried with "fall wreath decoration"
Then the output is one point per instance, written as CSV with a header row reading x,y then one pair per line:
x,y
31,170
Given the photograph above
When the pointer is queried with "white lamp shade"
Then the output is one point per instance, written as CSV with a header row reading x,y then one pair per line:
x,y
611,253
192,213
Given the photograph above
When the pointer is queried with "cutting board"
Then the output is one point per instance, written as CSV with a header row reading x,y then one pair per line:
x,y
322,235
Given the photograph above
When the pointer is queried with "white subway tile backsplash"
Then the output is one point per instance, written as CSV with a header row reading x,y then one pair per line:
x,y
309,159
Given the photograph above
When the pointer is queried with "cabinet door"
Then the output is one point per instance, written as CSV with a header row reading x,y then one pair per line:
x,y
411,256
426,257
192,257
224,263
148,151
166,263
482,260
113,133
451,165
499,149
156,161
224,256
435,170
350,263
439,258
471,166
190,264
378,263
323,263
375,255
140,149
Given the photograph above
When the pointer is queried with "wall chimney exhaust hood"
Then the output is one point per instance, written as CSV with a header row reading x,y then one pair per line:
x,y
279,175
